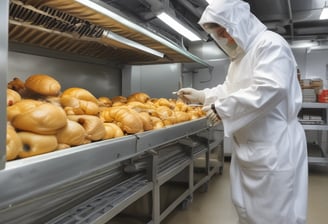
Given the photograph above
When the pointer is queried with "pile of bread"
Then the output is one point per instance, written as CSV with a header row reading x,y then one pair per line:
x,y
43,118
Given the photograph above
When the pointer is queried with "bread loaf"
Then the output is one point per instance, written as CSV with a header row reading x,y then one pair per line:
x,y
13,143
119,101
36,116
112,131
127,119
17,84
55,100
182,116
195,112
92,125
12,97
138,97
141,107
146,120
157,122
72,134
165,114
163,102
36,144
104,101
43,84
80,100
180,106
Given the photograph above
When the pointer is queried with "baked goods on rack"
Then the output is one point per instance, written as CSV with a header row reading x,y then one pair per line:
x,y
128,120
92,125
43,84
138,97
36,144
13,143
36,116
42,119
112,131
79,101
72,134
12,97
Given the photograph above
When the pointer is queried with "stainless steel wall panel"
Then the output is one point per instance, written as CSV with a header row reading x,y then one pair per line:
x,y
100,80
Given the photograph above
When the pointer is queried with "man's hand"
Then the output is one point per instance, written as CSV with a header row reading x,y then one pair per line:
x,y
190,95
211,114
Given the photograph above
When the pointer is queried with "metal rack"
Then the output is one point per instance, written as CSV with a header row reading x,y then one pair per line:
x,y
104,206
321,128
59,188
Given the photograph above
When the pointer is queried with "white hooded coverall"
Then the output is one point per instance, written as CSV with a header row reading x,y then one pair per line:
x,y
258,104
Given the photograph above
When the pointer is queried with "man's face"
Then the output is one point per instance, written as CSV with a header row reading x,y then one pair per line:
x,y
219,31
223,39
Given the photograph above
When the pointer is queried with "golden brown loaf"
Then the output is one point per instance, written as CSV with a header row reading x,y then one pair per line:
x,y
104,101
180,106
43,84
163,102
55,100
17,84
12,97
119,101
72,134
112,131
195,112
36,116
35,144
80,101
138,97
93,126
182,116
157,122
146,120
13,143
141,107
165,114
127,119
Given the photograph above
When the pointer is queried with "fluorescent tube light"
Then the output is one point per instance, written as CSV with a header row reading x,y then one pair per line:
x,y
324,13
132,43
178,27
103,10
303,44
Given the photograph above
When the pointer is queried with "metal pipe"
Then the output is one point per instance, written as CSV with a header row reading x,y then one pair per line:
x,y
196,11
291,23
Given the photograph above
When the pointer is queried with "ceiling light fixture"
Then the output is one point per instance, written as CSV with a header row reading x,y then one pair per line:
x,y
115,36
303,44
178,27
324,13
132,43
102,9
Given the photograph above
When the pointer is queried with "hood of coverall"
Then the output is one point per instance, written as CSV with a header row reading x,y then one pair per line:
x,y
236,18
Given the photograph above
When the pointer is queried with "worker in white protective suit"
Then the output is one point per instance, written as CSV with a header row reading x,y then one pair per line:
x,y
258,105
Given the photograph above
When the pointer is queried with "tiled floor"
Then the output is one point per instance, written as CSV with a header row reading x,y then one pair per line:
x,y
214,206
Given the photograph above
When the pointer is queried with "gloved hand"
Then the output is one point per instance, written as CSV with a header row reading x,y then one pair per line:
x,y
211,114
190,95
